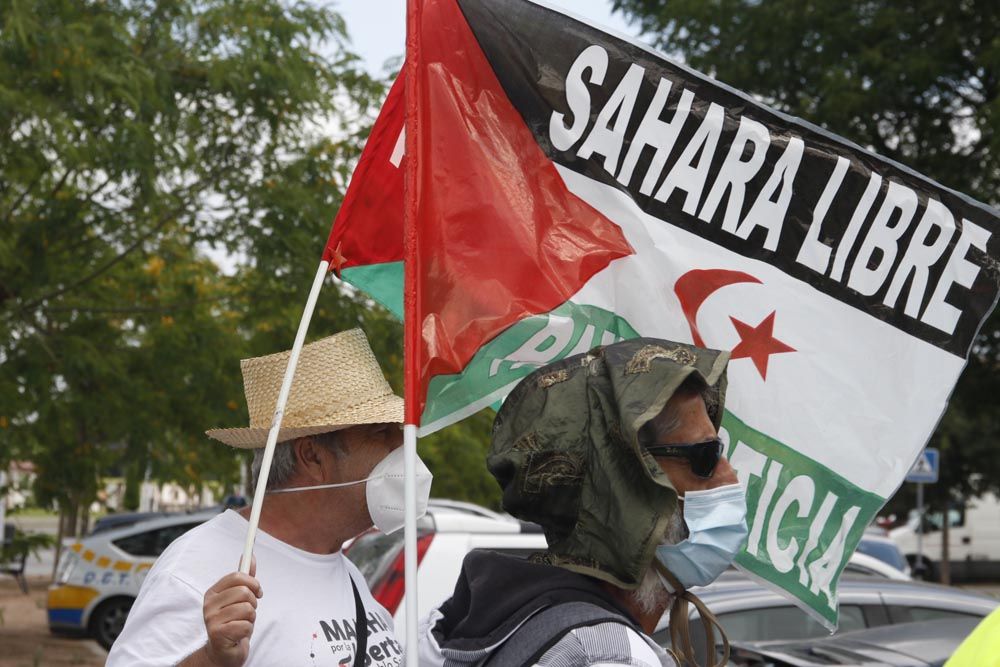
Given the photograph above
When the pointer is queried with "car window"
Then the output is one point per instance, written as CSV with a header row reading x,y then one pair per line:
x,y
373,553
152,543
934,520
778,623
900,614
766,624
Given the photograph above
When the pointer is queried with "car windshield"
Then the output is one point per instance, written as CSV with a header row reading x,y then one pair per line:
x,y
887,552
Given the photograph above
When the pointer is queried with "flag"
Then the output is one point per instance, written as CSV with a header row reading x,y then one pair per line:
x,y
576,188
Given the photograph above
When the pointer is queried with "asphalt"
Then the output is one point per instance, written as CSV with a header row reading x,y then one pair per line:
x,y
24,634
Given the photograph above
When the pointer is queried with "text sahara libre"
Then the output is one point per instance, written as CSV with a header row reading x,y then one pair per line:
x,y
690,172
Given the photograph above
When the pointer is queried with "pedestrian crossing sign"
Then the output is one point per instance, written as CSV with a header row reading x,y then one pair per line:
x,y
925,468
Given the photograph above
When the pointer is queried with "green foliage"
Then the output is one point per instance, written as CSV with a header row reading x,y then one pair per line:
x,y
136,135
25,544
457,457
917,82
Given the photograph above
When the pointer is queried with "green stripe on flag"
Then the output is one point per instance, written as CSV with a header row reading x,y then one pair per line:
x,y
805,520
501,363
382,282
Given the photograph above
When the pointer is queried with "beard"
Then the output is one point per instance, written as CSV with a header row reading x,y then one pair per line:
x,y
651,595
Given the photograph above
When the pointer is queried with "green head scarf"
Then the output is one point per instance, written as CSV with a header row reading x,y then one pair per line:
x,y
566,452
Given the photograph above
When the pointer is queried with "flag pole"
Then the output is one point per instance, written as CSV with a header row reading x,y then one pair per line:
x,y
411,327
279,411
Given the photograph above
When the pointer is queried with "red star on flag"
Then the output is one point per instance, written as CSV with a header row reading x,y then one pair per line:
x,y
337,261
758,343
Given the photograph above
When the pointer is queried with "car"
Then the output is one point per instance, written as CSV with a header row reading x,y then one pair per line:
x,y
921,644
749,612
883,548
99,576
445,534
122,519
450,530
862,563
973,540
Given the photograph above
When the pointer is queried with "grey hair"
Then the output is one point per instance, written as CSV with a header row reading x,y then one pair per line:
x,y
283,462
651,595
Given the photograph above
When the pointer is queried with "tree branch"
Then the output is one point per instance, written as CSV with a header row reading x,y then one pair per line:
x,y
17,203
108,265
125,310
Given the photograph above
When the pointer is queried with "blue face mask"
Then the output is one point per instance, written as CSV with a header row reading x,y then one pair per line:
x,y
717,529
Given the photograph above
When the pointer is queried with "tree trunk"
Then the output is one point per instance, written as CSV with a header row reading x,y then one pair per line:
x,y
59,539
133,485
68,512
84,523
945,551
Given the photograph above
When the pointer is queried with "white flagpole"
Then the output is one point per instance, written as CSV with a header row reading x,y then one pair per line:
x,y
410,540
279,411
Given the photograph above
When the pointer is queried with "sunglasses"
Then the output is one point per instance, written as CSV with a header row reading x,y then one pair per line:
x,y
701,456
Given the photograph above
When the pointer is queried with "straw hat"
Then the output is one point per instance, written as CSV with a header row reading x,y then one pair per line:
x,y
338,383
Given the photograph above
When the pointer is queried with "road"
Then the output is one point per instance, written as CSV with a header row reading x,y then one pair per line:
x,y
24,632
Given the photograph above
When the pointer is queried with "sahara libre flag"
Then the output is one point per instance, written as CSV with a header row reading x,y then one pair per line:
x,y
576,188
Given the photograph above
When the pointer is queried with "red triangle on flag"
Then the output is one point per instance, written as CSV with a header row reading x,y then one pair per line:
x,y
499,237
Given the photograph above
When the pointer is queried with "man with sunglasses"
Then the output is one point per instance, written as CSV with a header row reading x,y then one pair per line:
x,y
616,454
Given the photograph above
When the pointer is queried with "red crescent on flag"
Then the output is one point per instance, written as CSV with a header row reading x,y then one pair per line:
x,y
697,285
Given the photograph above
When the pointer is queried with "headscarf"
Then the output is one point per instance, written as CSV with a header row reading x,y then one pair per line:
x,y
566,452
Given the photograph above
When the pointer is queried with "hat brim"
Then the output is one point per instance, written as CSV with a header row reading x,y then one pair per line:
x,y
383,410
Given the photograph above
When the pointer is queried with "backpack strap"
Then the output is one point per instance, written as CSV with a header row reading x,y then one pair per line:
x,y
534,637
360,626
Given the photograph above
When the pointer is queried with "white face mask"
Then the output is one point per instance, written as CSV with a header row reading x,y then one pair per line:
x,y
386,491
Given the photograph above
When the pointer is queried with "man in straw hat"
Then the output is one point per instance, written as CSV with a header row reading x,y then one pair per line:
x,y
616,454
339,450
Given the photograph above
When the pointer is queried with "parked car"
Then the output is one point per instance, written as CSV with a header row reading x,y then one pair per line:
x,y
122,519
973,540
750,613
99,576
883,548
445,535
864,564
921,644
450,530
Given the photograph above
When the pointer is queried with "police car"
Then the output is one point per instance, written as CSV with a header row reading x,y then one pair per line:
x,y
99,577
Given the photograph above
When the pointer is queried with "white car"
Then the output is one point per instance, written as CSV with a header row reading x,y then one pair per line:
x,y
99,576
448,531
973,540
452,529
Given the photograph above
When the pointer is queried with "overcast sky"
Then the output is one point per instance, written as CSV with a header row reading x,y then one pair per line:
x,y
378,27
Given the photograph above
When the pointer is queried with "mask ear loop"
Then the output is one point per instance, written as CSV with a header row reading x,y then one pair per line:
x,y
680,629
325,486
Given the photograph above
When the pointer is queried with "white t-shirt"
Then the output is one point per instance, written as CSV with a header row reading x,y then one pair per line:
x,y
305,618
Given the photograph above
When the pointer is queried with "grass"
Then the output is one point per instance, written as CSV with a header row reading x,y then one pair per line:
x,y
32,512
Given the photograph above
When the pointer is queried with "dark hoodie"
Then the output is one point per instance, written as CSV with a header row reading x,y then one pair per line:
x,y
494,595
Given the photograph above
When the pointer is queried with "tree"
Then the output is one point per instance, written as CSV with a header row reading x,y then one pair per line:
x,y
914,81
136,134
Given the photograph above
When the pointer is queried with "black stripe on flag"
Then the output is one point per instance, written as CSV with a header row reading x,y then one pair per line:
x,y
643,124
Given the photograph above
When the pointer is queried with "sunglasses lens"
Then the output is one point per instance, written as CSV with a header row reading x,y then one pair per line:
x,y
705,457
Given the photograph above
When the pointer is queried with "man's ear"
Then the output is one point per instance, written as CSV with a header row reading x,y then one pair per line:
x,y
310,457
